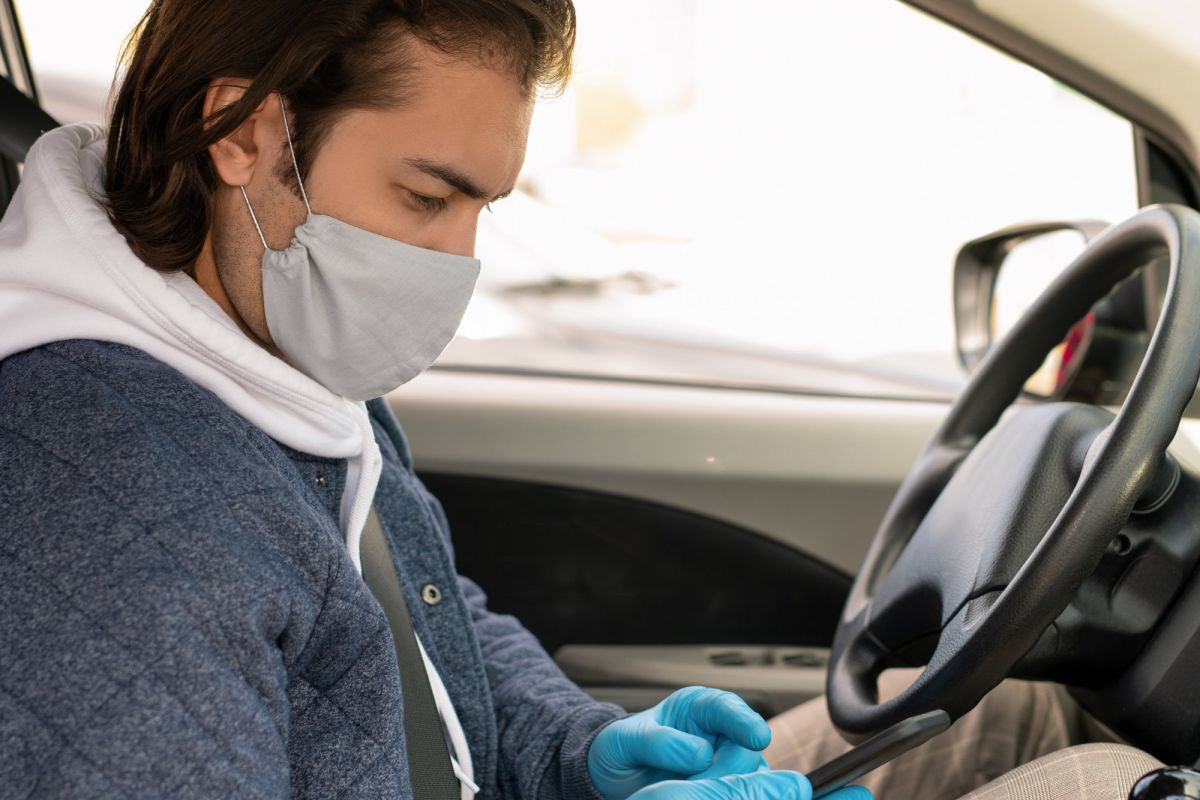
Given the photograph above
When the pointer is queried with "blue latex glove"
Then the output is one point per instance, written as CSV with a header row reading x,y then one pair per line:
x,y
695,734
763,785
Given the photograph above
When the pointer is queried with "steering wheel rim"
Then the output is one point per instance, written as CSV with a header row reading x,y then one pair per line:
x,y
985,636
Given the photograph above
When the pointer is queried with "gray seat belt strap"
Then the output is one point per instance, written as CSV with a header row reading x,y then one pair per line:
x,y
429,762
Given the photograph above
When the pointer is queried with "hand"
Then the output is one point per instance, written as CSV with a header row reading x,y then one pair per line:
x,y
695,733
763,785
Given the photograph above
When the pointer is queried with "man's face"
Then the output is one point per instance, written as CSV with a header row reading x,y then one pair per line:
x,y
420,173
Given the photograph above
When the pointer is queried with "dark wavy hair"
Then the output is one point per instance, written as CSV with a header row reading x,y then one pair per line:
x,y
325,56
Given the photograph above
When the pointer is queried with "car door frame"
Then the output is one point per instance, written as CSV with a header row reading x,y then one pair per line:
x,y
16,68
14,55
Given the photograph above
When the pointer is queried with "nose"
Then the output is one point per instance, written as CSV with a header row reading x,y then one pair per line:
x,y
458,238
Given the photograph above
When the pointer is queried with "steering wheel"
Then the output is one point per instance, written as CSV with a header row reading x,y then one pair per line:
x,y
999,522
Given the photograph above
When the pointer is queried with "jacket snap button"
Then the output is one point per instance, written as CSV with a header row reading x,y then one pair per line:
x,y
431,594
320,481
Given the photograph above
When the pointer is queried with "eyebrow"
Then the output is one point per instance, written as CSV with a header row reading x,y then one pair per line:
x,y
452,177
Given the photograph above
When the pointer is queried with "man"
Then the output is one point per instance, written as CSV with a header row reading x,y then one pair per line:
x,y
279,226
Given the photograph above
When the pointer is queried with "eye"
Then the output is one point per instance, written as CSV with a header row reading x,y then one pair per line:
x,y
427,203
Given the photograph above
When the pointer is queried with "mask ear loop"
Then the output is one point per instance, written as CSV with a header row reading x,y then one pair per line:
x,y
254,217
288,130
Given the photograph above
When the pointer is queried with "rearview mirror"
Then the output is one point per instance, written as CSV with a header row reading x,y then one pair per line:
x,y
996,279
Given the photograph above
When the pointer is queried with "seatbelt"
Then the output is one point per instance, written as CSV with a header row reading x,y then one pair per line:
x,y
429,763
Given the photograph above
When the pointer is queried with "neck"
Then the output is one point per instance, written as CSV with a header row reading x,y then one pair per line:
x,y
205,273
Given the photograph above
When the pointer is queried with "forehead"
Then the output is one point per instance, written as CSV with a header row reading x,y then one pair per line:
x,y
468,115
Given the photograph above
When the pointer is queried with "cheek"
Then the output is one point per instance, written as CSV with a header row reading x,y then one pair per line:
x,y
237,252
382,207
452,231
358,191
364,198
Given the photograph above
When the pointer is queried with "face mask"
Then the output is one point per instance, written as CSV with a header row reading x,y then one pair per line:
x,y
358,312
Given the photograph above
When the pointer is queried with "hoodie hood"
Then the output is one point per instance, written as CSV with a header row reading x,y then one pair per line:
x,y
67,273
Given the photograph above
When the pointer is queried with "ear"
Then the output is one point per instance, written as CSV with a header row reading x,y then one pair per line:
x,y
242,152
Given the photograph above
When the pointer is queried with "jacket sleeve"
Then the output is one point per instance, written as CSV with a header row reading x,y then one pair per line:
x,y
114,681
109,687
545,722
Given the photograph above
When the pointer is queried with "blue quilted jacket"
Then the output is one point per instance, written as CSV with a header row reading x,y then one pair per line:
x,y
179,616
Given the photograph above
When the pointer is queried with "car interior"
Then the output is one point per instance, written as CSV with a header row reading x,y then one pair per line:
x,y
1040,530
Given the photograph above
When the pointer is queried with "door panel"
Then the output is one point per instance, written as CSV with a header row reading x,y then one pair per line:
x,y
605,529
630,596
771,679
814,473
657,536
579,567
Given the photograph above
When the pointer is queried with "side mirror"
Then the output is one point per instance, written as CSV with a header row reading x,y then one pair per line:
x,y
988,300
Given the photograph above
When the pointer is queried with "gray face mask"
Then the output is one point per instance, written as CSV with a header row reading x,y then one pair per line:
x,y
358,312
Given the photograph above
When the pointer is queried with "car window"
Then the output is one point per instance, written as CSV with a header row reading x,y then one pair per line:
x,y
721,200
74,48
771,196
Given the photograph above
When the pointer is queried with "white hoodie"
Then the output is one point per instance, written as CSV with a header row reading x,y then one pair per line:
x,y
66,273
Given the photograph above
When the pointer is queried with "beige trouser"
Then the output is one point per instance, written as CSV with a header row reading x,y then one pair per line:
x,y
1015,745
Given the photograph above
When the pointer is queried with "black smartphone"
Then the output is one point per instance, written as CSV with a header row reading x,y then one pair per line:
x,y
877,751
